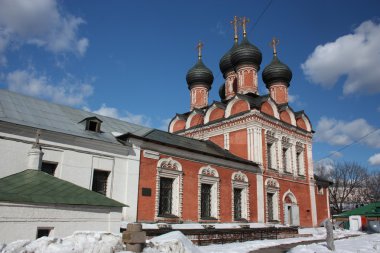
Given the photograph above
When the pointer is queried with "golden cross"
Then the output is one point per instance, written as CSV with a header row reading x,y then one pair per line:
x,y
200,46
243,23
274,44
235,23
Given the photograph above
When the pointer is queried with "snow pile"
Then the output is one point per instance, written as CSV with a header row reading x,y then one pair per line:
x,y
173,242
245,247
364,243
79,242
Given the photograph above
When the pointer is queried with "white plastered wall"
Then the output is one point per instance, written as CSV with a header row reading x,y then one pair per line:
x,y
20,221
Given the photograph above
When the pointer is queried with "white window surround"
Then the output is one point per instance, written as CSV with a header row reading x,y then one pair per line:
x,y
169,168
271,139
272,186
240,181
287,147
209,175
301,159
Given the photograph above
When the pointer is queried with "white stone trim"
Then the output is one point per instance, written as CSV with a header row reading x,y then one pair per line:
x,y
260,198
291,196
307,122
274,108
240,180
231,104
227,141
209,175
313,203
169,168
173,122
191,116
209,111
257,146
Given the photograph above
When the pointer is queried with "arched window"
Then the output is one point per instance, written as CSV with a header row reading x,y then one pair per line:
x,y
240,196
208,194
291,209
168,189
272,188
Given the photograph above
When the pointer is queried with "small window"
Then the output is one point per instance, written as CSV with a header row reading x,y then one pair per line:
x,y
320,189
49,167
99,181
269,155
41,232
93,126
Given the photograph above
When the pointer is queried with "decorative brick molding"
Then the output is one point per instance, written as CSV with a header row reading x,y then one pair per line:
x,y
240,181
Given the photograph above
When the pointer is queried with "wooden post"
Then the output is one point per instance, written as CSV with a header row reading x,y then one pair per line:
x,y
134,237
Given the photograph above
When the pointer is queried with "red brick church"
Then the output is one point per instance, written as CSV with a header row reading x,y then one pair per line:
x,y
245,158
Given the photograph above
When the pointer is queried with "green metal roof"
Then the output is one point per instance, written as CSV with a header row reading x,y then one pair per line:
x,y
370,210
34,186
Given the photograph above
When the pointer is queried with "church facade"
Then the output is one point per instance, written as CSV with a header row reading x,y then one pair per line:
x,y
263,129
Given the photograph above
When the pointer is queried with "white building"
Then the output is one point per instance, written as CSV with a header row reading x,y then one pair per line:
x,y
77,146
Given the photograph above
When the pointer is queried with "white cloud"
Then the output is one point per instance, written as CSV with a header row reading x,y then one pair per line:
x,y
339,132
354,56
41,23
375,159
112,112
68,91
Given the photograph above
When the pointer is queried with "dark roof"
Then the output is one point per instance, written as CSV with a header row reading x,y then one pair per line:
x,y
321,180
199,74
34,186
225,63
28,111
370,210
246,53
276,71
182,142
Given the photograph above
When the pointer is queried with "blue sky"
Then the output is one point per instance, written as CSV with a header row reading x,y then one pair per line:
x,y
129,59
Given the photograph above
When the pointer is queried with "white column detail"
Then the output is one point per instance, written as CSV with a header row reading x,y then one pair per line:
x,y
227,141
260,198
250,142
258,148
313,203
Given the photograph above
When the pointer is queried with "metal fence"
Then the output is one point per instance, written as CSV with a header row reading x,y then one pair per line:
x,y
220,236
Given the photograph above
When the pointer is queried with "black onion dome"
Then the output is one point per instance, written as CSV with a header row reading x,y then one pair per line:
x,y
199,74
246,53
276,71
222,91
225,63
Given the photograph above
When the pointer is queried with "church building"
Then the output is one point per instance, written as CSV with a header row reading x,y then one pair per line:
x,y
262,128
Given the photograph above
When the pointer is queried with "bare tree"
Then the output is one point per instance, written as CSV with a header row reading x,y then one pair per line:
x,y
372,185
349,183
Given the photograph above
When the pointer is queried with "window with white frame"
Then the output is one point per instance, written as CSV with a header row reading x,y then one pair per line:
x,y
271,150
208,193
272,188
168,189
240,196
286,154
300,159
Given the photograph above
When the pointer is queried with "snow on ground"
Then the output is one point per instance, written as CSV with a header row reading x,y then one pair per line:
x,y
244,247
176,242
362,244
173,242
79,242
